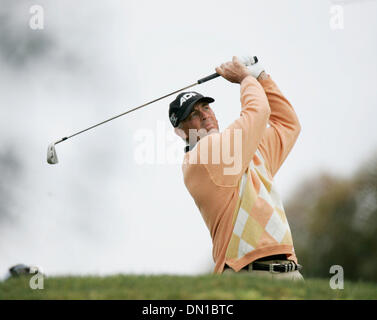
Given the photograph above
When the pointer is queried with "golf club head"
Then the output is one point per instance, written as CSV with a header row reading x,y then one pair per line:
x,y
52,157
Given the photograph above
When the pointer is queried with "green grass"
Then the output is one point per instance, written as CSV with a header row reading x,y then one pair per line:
x,y
223,287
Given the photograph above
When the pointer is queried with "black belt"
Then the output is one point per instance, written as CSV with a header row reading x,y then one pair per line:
x,y
277,267
273,267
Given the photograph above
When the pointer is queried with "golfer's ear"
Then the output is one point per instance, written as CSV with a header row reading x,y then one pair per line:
x,y
180,132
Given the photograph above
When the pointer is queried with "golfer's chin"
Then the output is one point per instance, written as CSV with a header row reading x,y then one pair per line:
x,y
208,130
211,128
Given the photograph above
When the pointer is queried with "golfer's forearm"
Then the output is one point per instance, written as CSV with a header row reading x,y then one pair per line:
x,y
254,116
280,137
282,112
240,140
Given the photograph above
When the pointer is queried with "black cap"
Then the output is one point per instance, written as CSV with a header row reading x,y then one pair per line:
x,y
183,104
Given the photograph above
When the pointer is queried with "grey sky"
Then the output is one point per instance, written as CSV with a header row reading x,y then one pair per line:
x,y
97,211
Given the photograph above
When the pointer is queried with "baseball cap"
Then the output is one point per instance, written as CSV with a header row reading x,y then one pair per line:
x,y
183,104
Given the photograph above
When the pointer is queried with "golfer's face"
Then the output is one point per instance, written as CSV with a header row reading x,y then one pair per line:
x,y
201,117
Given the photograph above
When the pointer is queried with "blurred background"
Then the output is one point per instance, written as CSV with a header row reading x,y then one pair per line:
x,y
102,211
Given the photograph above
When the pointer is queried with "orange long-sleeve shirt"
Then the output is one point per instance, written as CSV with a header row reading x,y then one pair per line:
x,y
237,199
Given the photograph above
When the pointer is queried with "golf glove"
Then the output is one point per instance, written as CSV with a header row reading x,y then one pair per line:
x,y
255,68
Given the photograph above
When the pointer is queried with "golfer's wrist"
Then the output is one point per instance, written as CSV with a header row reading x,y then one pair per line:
x,y
263,76
244,76
249,76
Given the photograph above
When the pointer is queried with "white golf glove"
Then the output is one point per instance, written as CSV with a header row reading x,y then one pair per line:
x,y
255,68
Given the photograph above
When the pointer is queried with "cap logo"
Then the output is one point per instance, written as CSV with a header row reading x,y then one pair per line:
x,y
173,119
186,96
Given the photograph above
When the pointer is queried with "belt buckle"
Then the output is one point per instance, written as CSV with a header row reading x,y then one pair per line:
x,y
271,266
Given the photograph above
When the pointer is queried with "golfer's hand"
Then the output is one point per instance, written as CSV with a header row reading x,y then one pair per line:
x,y
234,71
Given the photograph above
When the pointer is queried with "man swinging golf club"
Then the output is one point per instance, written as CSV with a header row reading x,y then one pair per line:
x,y
241,208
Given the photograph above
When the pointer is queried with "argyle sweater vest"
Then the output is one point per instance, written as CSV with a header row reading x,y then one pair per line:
x,y
260,227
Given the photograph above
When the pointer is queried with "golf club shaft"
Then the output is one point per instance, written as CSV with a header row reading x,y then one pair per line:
x,y
205,79
200,81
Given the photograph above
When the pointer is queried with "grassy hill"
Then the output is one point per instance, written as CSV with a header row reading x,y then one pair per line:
x,y
182,287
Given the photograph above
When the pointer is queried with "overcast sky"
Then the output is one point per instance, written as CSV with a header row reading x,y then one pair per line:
x,y
99,210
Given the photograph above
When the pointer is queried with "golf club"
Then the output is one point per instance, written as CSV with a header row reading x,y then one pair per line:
x,y
52,157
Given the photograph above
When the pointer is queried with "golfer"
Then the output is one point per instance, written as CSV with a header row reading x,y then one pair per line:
x,y
230,174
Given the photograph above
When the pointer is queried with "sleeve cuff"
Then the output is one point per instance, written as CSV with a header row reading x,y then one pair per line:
x,y
267,82
249,80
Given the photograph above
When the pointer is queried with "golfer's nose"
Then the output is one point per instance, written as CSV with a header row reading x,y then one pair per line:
x,y
204,114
